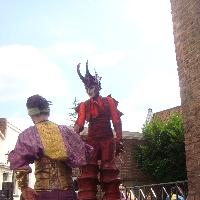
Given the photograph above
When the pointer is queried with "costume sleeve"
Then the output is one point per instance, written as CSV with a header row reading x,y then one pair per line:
x,y
115,117
27,149
78,152
81,116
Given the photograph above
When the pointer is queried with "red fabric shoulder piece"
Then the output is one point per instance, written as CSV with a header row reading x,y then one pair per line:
x,y
115,101
116,104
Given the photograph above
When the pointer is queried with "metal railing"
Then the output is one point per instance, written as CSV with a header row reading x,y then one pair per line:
x,y
161,191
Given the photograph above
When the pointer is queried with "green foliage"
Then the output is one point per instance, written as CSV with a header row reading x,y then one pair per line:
x,y
162,155
73,114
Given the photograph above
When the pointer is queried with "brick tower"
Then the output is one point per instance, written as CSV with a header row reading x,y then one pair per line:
x,y
186,26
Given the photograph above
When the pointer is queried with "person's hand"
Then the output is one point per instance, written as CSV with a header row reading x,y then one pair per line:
x,y
29,194
77,128
119,147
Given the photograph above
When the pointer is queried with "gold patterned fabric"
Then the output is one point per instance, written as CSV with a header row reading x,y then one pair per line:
x,y
51,174
51,171
22,178
52,140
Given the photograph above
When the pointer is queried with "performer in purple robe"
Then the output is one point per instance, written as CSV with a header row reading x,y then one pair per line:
x,y
54,149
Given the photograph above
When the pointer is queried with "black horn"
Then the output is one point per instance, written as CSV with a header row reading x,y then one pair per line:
x,y
79,73
87,70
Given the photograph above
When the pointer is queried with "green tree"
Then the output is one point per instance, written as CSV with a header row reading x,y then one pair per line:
x,y
162,155
73,114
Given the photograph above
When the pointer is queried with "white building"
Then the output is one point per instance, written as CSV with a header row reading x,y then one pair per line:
x,y
8,137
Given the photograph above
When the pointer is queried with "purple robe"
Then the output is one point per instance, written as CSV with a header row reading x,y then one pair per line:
x,y
29,148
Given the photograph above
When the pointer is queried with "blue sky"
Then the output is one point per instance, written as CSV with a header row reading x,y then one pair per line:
x,y
128,42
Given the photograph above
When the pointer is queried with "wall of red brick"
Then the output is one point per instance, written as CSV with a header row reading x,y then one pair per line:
x,y
129,171
165,114
186,26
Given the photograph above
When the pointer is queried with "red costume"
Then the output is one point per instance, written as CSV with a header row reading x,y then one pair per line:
x,y
98,111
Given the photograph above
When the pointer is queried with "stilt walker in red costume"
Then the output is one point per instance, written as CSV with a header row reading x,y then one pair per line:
x,y
101,169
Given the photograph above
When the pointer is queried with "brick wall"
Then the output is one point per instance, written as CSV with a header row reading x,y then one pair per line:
x,y
3,126
186,25
129,172
165,114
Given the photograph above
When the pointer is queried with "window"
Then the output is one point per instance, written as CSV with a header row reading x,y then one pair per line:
x,y
5,177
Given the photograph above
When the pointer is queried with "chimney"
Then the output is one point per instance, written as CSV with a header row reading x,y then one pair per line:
x,y
3,126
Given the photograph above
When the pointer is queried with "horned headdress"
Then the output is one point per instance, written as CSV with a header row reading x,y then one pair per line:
x,y
89,80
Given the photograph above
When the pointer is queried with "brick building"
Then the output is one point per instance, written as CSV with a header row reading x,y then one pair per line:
x,y
186,26
165,114
129,172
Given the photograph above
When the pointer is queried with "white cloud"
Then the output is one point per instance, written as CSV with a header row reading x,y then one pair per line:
x,y
71,48
153,91
110,59
151,18
26,71
77,51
